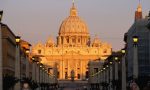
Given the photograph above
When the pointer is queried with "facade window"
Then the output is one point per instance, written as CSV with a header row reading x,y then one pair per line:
x,y
58,75
66,75
79,40
49,70
67,40
105,51
73,40
87,75
78,76
39,51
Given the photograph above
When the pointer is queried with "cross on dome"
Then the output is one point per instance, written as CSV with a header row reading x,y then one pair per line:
x,y
73,10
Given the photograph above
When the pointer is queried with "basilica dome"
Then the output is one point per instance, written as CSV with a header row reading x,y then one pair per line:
x,y
73,25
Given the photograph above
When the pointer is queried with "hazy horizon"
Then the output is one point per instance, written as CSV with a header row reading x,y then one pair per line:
x,y
36,20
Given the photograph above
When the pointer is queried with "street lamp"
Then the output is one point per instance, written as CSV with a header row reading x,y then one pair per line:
x,y
27,51
110,71
18,63
107,66
104,68
110,62
123,51
135,40
123,67
135,56
17,40
116,58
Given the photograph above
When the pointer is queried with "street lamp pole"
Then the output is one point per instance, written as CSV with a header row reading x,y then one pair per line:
x,y
17,63
111,74
123,70
116,69
135,57
27,62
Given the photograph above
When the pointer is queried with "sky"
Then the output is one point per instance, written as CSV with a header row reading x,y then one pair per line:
x,y
37,20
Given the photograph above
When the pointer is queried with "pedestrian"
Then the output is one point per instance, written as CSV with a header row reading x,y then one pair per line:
x,y
134,86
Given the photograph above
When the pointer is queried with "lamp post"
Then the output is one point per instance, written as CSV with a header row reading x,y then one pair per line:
x,y
110,74
107,74
123,51
1,59
27,62
135,56
116,69
17,63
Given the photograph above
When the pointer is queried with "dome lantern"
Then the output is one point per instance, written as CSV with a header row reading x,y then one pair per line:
x,y
73,10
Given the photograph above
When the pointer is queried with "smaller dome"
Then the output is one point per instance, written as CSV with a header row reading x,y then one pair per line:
x,y
50,42
96,42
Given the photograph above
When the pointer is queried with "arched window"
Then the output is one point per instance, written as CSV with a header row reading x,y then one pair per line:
x,y
78,76
73,40
66,75
105,51
39,51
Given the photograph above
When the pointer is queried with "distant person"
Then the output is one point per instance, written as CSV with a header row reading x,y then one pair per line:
x,y
134,86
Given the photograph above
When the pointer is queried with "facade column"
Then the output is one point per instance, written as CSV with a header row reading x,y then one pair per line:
x,y
76,40
27,66
107,75
33,71
17,68
55,71
81,40
64,40
37,75
116,72
40,75
1,60
135,62
60,70
43,76
111,77
46,77
101,79
123,73
82,70
59,40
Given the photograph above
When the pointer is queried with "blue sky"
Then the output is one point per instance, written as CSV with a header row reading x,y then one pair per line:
x,y
36,20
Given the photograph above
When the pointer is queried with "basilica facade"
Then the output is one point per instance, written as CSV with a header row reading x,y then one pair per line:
x,y
73,49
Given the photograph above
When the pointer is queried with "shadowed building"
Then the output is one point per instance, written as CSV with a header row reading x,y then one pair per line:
x,y
8,48
143,46
73,49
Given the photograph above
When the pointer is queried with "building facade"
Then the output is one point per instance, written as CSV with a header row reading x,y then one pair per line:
x,y
143,46
73,49
8,49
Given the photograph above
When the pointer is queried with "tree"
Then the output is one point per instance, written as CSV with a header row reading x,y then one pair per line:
x,y
32,84
9,82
